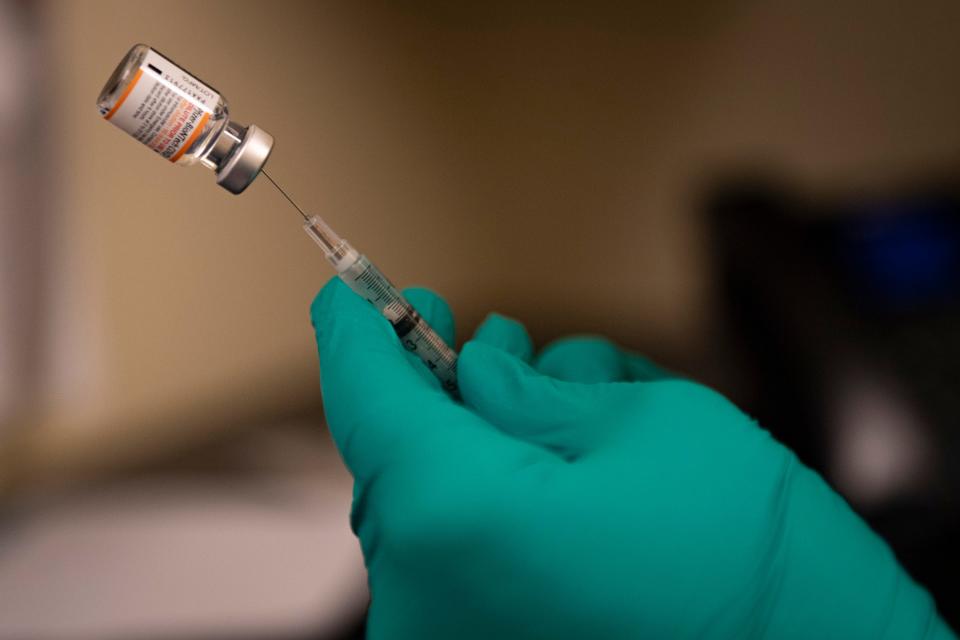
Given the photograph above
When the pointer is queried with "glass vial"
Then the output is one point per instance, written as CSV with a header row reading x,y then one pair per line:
x,y
183,119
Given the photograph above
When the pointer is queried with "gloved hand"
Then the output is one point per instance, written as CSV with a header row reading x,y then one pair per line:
x,y
588,495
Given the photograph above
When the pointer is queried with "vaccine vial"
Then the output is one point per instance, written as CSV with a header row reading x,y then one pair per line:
x,y
183,119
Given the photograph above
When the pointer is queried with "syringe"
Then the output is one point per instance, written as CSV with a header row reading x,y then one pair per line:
x,y
365,279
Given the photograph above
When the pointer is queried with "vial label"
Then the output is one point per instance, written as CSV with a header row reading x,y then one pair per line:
x,y
164,107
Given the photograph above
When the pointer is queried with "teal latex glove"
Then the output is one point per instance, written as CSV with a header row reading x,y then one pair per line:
x,y
587,495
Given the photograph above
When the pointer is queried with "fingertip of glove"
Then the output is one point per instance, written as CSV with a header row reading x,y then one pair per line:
x,y
325,298
586,340
506,334
476,352
522,402
485,370
584,358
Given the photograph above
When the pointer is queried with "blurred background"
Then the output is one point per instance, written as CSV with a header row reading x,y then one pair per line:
x,y
763,195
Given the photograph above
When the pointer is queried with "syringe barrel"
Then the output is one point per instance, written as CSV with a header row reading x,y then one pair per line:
x,y
361,275
415,334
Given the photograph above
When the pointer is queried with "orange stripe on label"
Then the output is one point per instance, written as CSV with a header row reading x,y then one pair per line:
x,y
192,138
123,96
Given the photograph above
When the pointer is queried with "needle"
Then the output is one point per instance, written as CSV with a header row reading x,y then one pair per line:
x,y
289,199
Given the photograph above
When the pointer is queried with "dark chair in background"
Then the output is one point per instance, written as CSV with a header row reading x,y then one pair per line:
x,y
844,316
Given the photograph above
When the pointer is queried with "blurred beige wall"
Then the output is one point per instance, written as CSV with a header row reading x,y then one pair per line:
x,y
540,160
